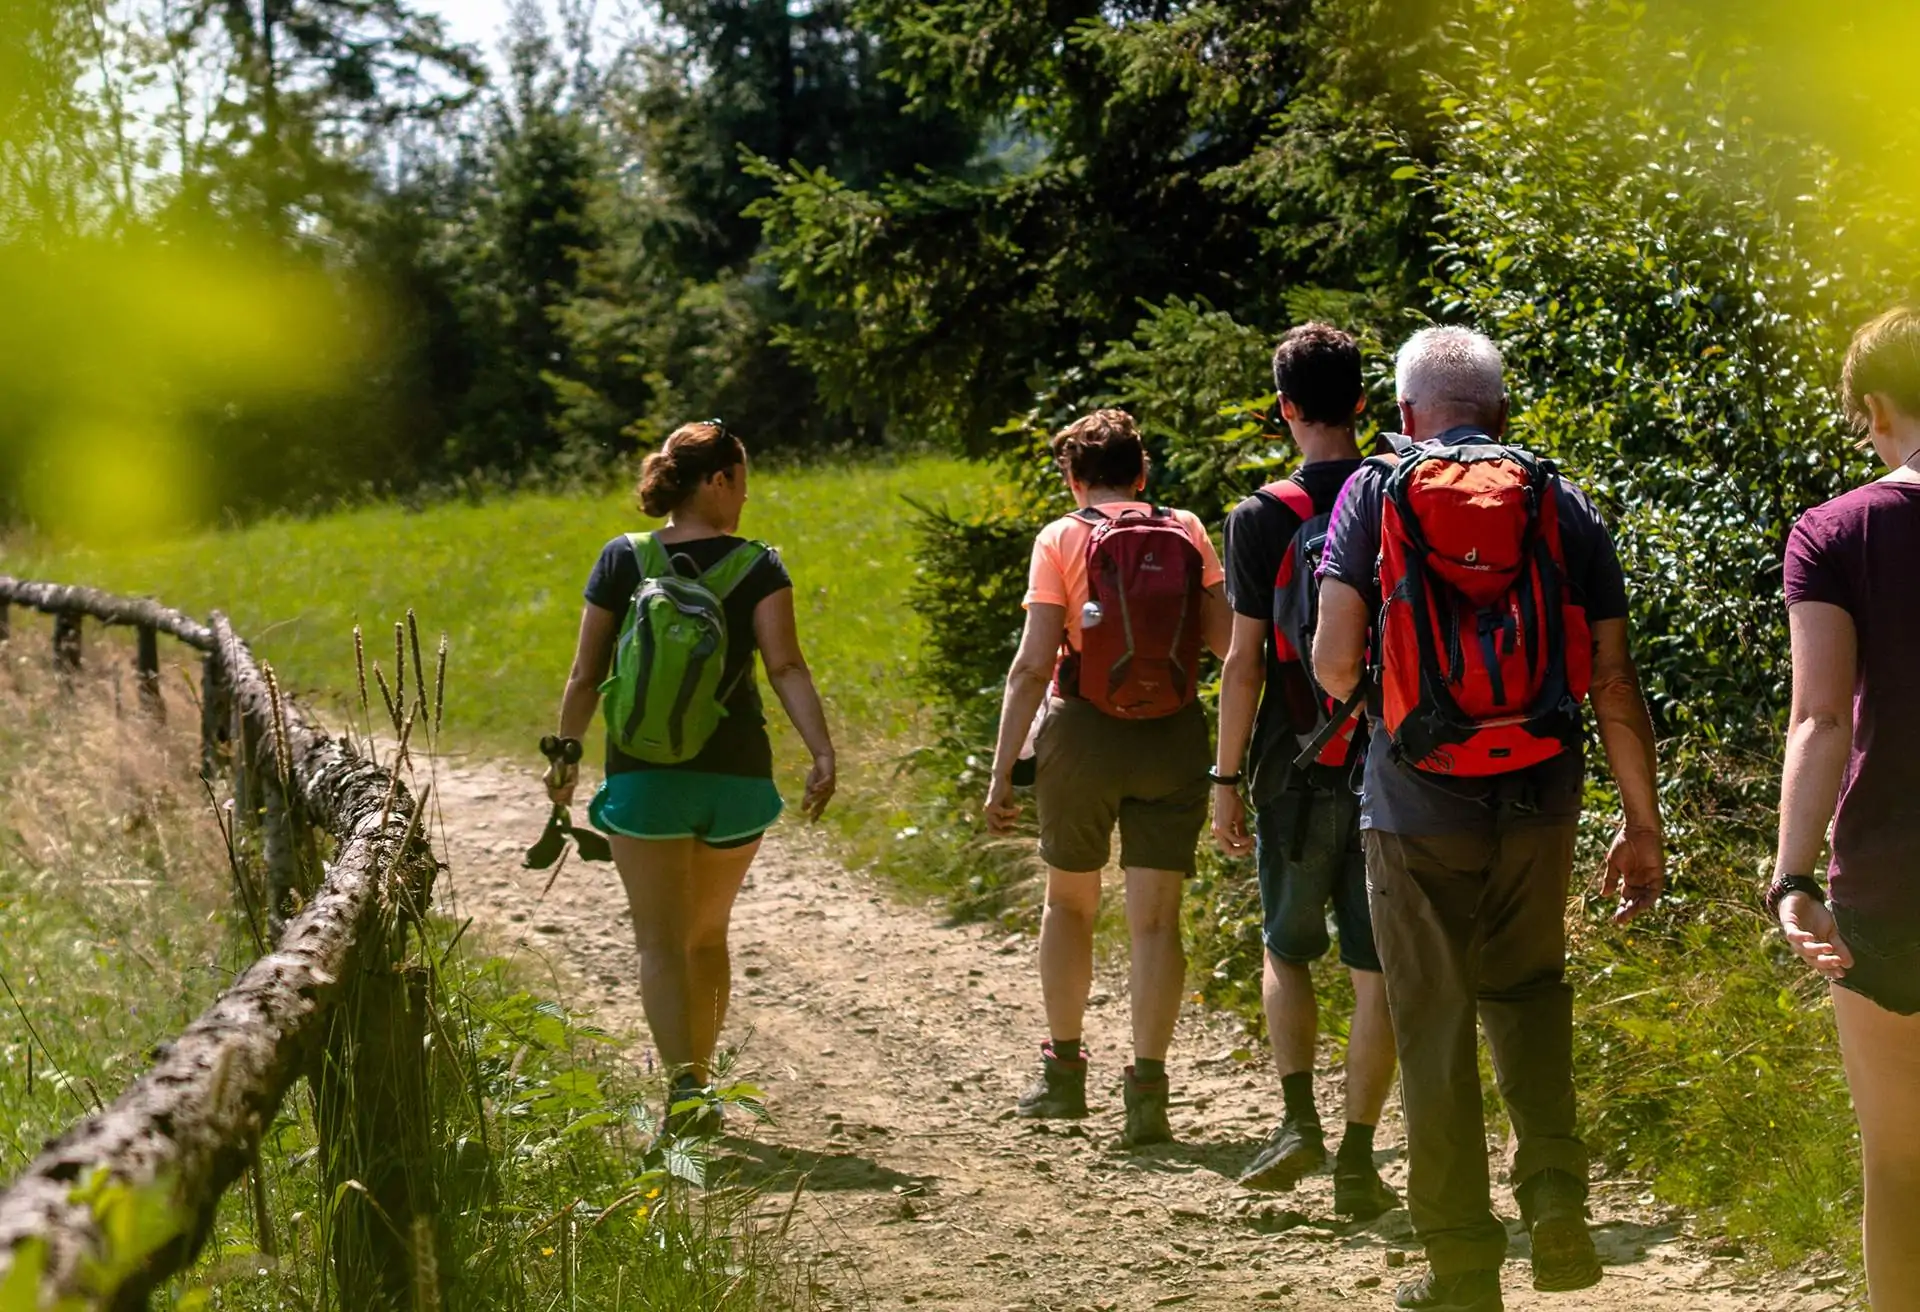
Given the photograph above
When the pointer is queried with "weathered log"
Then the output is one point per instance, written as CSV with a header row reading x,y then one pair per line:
x,y
375,1126
192,1123
148,664
58,598
215,717
66,642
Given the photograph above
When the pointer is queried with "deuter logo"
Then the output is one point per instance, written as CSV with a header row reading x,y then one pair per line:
x,y
1147,562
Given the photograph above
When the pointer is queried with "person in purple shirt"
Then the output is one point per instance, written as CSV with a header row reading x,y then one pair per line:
x,y
1853,608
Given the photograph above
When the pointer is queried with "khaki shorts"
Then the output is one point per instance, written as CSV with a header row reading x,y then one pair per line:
x,y
1148,776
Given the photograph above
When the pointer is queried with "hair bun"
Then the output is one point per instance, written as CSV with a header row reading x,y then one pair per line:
x,y
692,454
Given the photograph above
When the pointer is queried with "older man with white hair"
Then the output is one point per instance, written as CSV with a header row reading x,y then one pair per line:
x,y
1504,603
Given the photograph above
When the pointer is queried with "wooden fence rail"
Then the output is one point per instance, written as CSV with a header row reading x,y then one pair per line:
x,y
333,1000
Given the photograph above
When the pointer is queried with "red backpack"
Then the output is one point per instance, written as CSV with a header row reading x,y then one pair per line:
x,y
1485,654
1139,656
1296,615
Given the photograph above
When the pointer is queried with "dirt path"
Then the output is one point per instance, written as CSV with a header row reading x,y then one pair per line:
x,y
891,1047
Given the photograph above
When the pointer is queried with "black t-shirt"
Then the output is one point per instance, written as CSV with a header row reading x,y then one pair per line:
x,y
739,745
1259,530
1399,799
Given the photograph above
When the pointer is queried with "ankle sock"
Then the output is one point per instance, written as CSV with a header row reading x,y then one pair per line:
x,y
1356,1147
1065,1049
1297,1089
1148,1071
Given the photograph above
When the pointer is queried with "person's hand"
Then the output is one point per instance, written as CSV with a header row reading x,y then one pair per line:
x,y
1001,810
821,781
560,779
1636,871
1813,935
1230,820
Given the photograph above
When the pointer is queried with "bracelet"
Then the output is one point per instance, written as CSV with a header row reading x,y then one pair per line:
x,y
1784,886
1224,780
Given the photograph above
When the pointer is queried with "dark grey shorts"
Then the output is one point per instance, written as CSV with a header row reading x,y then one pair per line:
x,y
1309,854
1886,960
1147,776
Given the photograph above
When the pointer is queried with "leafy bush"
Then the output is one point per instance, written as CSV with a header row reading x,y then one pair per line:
x,y
1673,285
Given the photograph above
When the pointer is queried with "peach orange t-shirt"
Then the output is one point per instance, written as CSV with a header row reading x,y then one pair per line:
x,y
1058,575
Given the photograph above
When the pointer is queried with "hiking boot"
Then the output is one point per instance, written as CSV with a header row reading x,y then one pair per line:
x,y
1464,1291
1555,1208
1291,1153
1146,1113
1359,1194
1061,1091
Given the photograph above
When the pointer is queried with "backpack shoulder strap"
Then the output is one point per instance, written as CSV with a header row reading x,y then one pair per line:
x,y
730,570
652,557
1293,496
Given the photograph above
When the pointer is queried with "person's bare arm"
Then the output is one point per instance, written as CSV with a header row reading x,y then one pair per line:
x,y
1241,680
1340,643
1026,686
1819,740
1636,863
779,640
592,653
1216,620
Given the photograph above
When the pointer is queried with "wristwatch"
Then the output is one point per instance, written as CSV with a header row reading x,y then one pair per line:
x,y
1224,780
1784,886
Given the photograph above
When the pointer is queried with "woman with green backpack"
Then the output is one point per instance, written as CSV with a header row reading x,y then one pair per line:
x,y
672,621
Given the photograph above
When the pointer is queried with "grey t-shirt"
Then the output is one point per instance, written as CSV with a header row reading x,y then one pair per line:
x,y
1399,799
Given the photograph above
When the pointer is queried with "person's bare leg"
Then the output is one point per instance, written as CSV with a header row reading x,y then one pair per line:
x,y
716,878
1370,1054
1066,949
1159,968
1293,1014
1882,1054
657,874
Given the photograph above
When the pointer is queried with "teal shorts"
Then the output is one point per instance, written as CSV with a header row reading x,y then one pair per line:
x,y
721,810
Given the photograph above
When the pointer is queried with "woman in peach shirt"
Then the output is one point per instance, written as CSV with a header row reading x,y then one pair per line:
x,y
1144,770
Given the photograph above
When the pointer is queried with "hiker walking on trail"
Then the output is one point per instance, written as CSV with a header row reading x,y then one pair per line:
x,y
1121,597
1307,821
1498,606
672,621
1853,599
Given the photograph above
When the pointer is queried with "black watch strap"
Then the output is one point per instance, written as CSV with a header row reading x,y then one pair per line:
x,y
1225,780
1784,886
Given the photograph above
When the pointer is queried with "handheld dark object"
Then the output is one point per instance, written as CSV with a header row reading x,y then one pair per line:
x,y
563,757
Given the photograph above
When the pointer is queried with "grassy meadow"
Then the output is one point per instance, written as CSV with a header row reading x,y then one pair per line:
x,y
502,578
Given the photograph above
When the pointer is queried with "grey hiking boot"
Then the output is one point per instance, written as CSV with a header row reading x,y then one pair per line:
x,y
1061,1091
1464,1291
1146,1113
1554,1205
1291,1153
1359,1194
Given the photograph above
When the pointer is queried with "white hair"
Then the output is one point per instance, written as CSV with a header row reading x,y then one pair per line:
x,y
1451,368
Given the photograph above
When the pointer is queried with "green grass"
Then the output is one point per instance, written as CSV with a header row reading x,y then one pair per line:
x,y
503,577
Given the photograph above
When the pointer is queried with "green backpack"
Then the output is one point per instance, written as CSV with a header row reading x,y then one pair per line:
x,y
663,698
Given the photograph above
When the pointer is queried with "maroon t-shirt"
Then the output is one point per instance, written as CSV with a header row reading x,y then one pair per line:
x,y
1861,552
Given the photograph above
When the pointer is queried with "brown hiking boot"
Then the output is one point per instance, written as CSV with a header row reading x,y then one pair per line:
x,y
1146,1113
1554,1205
1061,1091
